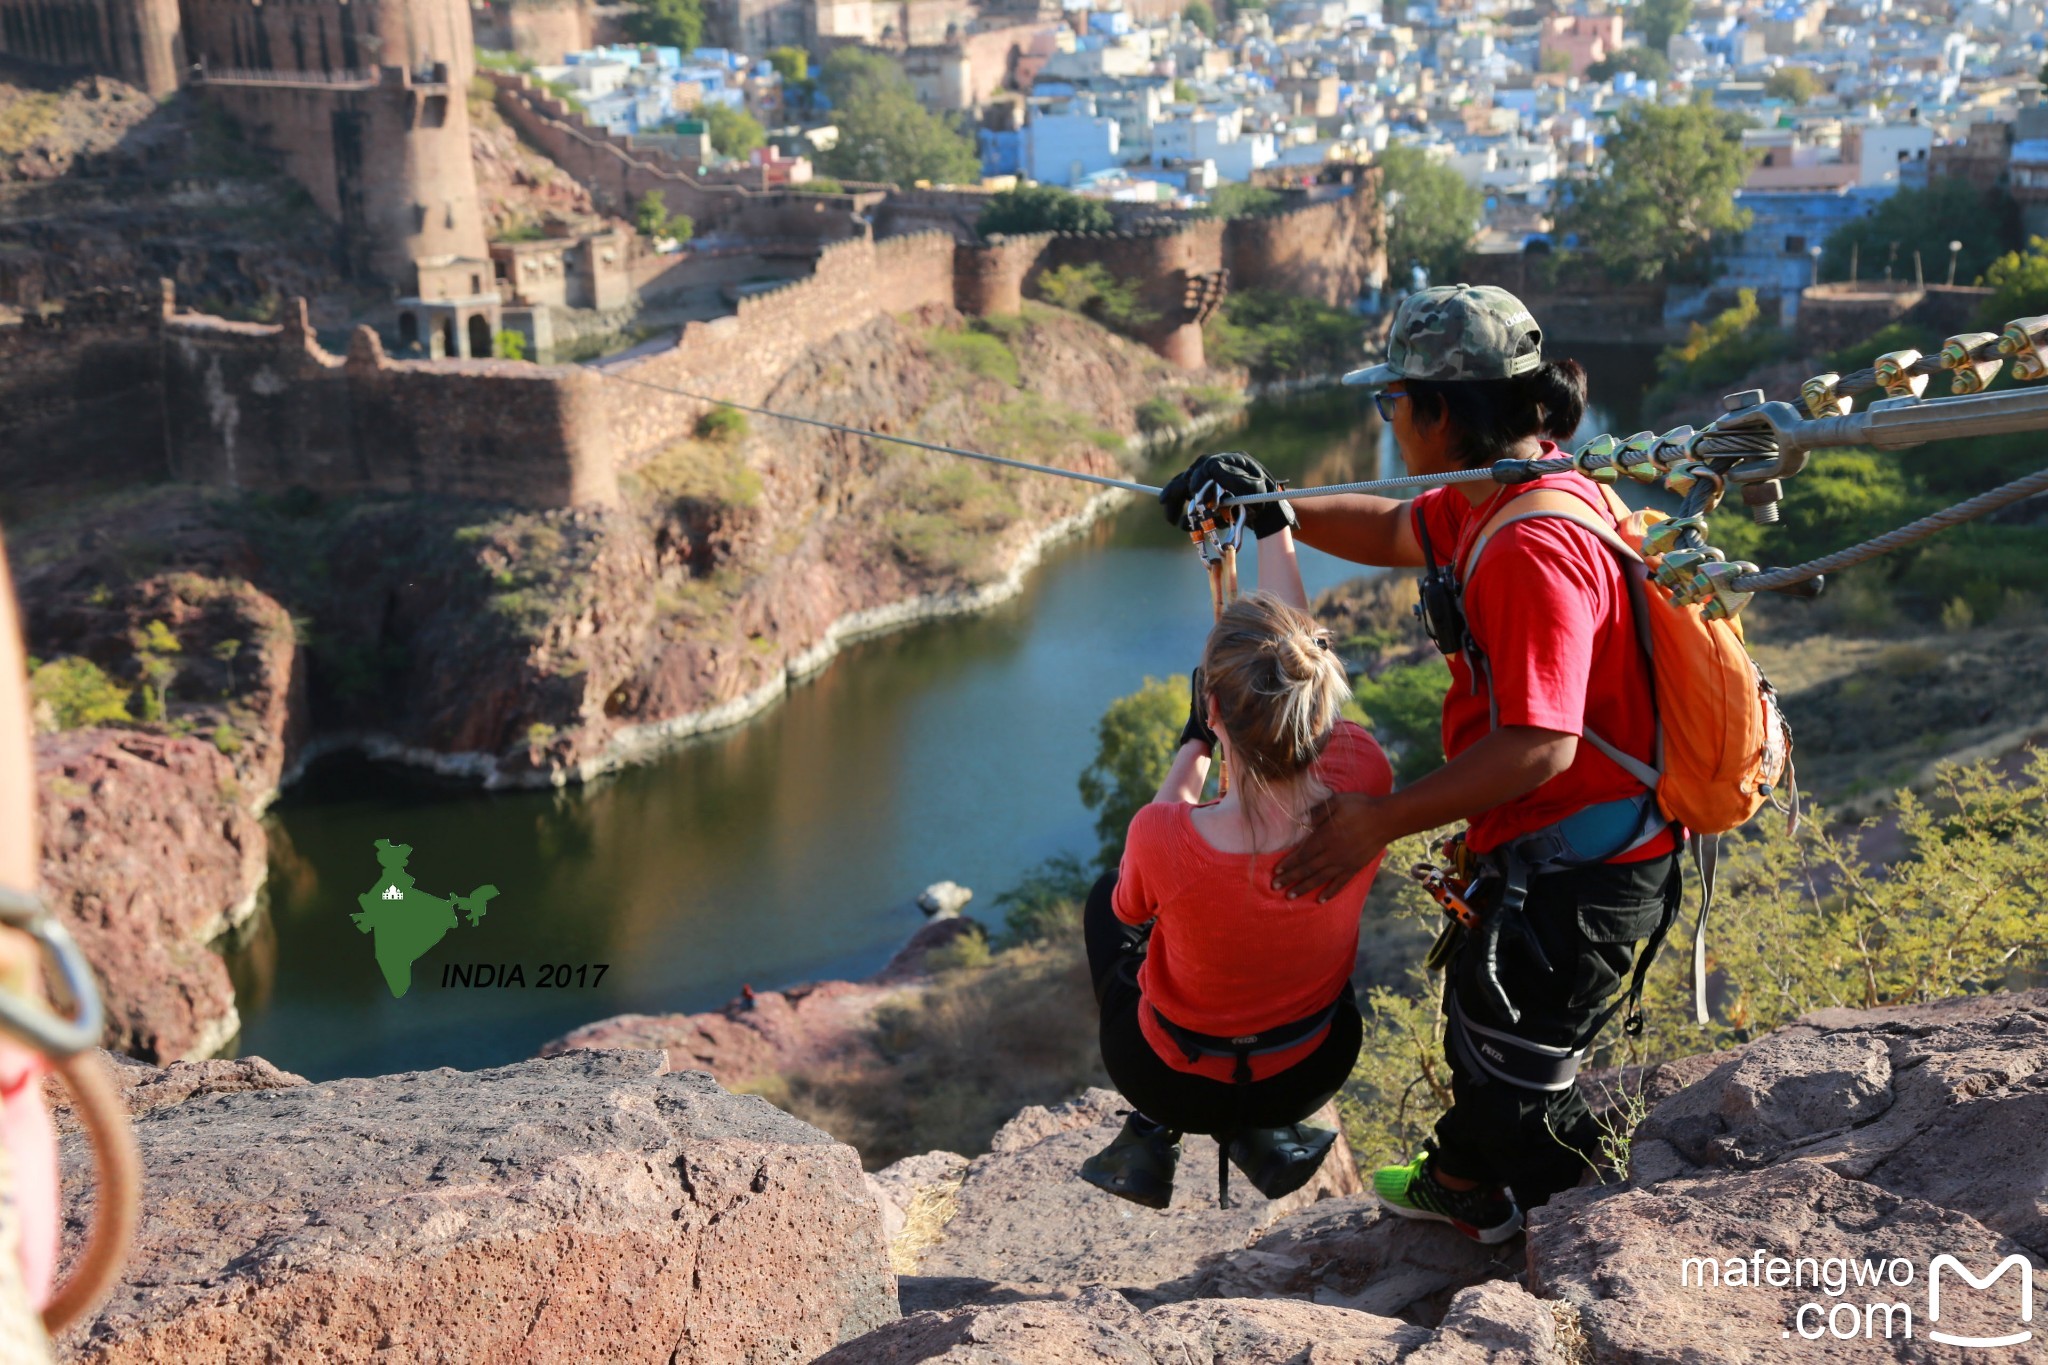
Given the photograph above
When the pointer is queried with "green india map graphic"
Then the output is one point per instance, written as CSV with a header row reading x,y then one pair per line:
x,y
406,922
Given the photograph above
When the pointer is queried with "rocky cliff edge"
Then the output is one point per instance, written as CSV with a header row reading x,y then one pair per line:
x,y
598,1206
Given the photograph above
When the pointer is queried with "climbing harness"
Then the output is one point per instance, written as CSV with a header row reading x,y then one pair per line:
x,y
1195,1046
66,1045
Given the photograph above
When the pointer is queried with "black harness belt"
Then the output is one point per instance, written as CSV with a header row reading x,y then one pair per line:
x,y
1195,1046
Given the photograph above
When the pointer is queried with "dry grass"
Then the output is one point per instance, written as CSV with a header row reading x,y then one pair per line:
x,y
924,1222
1571,1347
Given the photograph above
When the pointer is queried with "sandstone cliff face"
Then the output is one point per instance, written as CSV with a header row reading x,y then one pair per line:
x,y
595,1207
151,843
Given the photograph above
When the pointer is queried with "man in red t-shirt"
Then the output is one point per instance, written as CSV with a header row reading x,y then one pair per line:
x,y
1547,726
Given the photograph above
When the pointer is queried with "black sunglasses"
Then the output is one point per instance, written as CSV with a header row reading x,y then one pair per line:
x,y
1380,401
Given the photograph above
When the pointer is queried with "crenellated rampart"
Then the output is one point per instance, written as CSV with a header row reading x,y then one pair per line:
x,y
617,170
742,356
131,390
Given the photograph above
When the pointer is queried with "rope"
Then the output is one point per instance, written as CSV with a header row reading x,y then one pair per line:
x,y
1948,517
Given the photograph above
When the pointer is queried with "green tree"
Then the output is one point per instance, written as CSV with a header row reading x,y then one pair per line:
x,y
1733,343
508,345
1199,15
1237,200
73,692
1183,93
1134,746
1404,708
884,134
1555,64
1043,208
793,64
1645,62
1090,289
1281,336
154,645
1926,220
734,131
1661,19
652,218
669,23
1432,214
1663,200
1793,84
2019,285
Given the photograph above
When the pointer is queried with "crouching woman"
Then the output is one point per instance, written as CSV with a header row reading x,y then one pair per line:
x,y
1227,1008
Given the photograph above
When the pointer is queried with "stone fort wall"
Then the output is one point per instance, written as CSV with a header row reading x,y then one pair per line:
x,y
129,390
136,40
618,171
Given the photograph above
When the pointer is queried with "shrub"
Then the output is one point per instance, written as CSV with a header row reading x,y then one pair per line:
x,y
1277,335
1404,707
1093,291
73,691
509,345
1160,413
1235,200
723,424
1046,902
977,351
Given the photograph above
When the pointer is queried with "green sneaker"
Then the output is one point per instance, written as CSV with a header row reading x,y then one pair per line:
x,y
1138,1165
1484,1215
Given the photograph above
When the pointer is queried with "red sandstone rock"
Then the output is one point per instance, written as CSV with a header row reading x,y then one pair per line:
x,y
1888,1134
145,1087
148,855
592,1207
1487,1325
1025,1217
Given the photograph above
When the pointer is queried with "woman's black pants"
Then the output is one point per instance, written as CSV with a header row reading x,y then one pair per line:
x,y
1178,1099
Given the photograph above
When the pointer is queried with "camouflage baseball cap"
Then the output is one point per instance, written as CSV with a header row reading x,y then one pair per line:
x,y
1458,331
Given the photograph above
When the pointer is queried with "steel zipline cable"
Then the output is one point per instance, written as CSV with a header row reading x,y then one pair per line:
x,y
1506,471
1411,481
1947,517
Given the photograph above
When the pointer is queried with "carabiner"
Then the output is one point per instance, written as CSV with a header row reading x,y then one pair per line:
x,y
53,1037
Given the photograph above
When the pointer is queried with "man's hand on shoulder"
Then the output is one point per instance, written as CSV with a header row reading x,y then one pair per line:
x,y
1347,832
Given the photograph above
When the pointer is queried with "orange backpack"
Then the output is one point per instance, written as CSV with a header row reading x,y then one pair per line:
x,y
1722,744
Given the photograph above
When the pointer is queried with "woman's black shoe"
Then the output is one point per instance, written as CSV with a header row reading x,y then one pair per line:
x,y
1279,1161
1139,1165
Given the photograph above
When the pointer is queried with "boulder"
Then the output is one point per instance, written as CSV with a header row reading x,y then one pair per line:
x,y
942,900
1494,1324
145,1087
1813,1178
1023,1216
595,1206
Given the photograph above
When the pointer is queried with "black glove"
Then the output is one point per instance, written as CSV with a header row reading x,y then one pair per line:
x,y
1235,473
1198,714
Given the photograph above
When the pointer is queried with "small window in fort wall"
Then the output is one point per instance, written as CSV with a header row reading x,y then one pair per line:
x,y
476,284
408,330
479,336
435,114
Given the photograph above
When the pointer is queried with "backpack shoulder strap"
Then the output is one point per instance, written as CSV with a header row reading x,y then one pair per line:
x,y
1558,505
